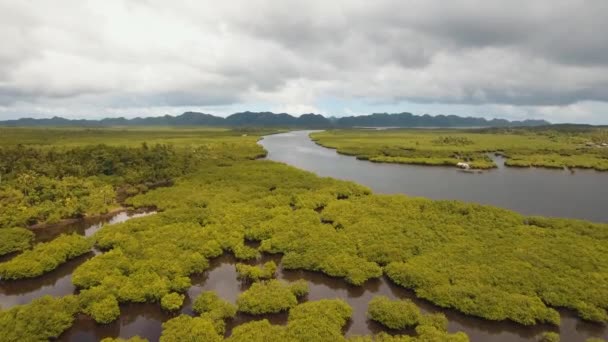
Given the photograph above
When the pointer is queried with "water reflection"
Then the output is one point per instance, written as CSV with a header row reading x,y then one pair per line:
x,y
59,281
146,319
55,283
86,226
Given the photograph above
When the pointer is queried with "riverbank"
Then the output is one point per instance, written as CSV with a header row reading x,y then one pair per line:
x,y
522,147
530,191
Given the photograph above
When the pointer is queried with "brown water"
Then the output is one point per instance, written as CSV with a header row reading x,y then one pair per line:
x,y
59,281
86,226
146,319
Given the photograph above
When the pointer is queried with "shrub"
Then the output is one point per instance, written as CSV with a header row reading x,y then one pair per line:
x,y
267,297
299,288
217,310
100,304
172,301
257,331
398,314
254,273
187,328
549,337
45,257
42,319
132,339
15,240
209,303
312,321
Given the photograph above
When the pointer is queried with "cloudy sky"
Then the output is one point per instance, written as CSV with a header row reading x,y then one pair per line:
x,y
515,59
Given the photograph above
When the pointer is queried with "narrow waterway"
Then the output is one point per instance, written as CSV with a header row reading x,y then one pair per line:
x,y
296,149
146,320
532,191
59,281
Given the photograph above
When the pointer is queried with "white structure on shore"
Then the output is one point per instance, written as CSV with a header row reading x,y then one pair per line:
x,y
462,165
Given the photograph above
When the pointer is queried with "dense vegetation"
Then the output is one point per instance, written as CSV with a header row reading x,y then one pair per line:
x,y
172,301
552,147
403,314
215,309
43,319
255,273
45,257
132,339
59,175
398,314
271,296
312,321
15,240
476,259
188,328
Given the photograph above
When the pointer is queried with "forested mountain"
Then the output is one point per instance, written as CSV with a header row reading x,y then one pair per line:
x,y
411,120
269,119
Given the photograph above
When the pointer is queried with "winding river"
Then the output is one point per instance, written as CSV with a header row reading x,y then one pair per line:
x,y
530,191
581,194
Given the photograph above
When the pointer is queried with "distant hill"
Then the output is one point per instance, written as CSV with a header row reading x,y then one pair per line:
x,y
411,120
268,119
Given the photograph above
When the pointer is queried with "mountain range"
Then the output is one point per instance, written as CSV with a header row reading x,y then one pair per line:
x,y
269,119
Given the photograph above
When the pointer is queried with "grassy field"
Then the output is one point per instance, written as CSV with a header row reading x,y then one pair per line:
x,y
49,174
480,260
523,147
129,137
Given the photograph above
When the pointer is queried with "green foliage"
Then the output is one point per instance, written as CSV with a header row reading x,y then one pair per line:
x,y
210,306
33,198
479,260
335,311
257,331
51,174
454,141
209,302
595,339
45,257
523,147
43,319
254,273
426,334
172,301
100,304
187,328
312,321
132,339
15,240
398,314
270,296
549,337
401,314
299,288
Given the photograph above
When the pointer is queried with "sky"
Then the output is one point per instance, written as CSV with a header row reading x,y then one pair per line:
x,y
516,59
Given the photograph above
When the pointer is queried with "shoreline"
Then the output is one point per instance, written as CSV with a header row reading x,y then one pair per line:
x,y
68,221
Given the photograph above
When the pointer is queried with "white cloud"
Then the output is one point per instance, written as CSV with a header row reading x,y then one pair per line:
x,y
89,58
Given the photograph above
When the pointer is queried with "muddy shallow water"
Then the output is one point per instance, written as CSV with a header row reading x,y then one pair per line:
x,y
146,319
59,281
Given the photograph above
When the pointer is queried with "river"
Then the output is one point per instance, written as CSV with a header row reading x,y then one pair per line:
x,y
296,149
580,194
